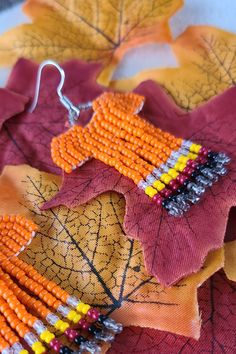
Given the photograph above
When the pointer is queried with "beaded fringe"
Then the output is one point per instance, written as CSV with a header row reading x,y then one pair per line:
x,y
29,302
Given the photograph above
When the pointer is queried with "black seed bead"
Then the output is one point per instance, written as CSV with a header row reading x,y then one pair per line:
x,y
181,190
79,339
195,174
200,167
210,164
165,202
94,330
212,154
186,183
65,350
102,319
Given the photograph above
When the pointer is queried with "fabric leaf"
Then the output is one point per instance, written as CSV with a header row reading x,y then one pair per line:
x,y
217,303
92,30
207,64
85,250
172,248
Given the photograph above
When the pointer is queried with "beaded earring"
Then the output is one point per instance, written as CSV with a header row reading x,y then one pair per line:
x,y
29,302
172,171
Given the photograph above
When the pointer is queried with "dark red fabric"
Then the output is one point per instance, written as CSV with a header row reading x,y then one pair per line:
x,y
172,247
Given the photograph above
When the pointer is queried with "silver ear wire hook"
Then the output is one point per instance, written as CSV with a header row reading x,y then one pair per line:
x,y
74,111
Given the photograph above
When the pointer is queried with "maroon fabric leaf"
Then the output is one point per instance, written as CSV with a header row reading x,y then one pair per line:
x,y
217,298
27,137
173,247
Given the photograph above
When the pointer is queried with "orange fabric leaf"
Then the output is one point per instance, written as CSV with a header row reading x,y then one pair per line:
x,y
207,64
230,260
89,30
84,249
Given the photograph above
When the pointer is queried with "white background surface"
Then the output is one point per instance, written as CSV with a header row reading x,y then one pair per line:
x,y
219,13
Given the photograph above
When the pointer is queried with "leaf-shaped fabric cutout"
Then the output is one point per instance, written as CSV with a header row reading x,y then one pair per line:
x,y
230,260
92,30
217,302
172,247
207,64
84,249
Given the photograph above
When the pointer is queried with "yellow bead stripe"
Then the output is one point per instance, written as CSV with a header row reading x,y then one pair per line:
x,y
74,316
61,326
38,348
83,308
47,336
172,173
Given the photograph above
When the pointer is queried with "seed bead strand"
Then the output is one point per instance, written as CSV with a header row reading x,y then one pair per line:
x,y
161,151
104,157
16,232
115,116
7,332
113,144
137,165
4,346
56,304
30,284
25,299
148,153
23,331
55,289
28,319
44,313
113,113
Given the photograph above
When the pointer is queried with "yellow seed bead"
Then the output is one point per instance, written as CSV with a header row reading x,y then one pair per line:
x,y
24,351
47,336
173,173
36,345
41,350
77,318
165,178
85,308
183,159
64,327
150,191
80,306
158,185
58,324
195,148
191,156
71,315
179,166
38,348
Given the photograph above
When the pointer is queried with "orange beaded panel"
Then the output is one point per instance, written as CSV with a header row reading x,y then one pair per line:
x,y
15,233
117,136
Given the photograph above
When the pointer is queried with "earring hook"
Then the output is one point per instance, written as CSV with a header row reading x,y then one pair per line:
x,y
74,111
